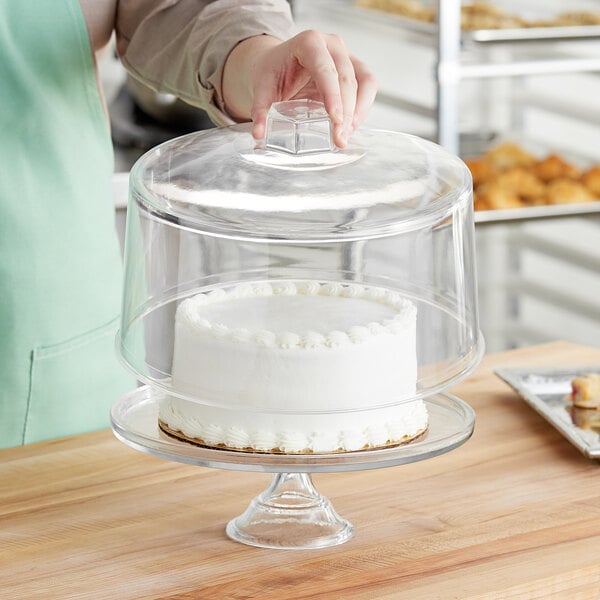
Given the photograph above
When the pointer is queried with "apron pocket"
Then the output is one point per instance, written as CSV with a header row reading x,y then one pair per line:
x,y
73,384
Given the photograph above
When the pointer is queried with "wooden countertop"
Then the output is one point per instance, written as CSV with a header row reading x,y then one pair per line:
x,y
512,514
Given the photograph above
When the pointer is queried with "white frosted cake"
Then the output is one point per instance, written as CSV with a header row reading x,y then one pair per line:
x,y
295,367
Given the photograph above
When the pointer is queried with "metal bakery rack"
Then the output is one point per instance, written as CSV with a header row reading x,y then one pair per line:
x,y
472,89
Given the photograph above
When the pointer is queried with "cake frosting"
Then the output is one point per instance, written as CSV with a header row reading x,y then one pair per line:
x,y
295,366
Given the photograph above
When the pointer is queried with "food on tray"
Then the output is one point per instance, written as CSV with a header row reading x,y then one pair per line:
x,y
554,167
483,15
567,191
482,170
521,182
413,9
492,196
585,418
585,399
338,350
591,180
508,176
585,391
570,19
480,15
509,155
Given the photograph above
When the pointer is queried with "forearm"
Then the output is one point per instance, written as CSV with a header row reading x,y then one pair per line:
x,y
181,46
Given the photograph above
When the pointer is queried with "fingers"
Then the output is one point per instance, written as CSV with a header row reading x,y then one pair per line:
x,y
367,90
318,66
346,85
347,88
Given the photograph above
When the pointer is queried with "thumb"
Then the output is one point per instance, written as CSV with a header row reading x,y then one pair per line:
x,y
259,118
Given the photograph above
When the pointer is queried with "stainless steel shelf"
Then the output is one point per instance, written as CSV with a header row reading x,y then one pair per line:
x,y
530,213
532,34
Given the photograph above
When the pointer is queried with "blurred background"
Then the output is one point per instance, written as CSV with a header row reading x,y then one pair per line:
x,y
511,87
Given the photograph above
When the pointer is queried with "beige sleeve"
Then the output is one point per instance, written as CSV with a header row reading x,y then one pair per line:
x,y
180,46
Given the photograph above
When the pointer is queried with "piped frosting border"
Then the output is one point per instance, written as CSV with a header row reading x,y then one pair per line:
x,y
189,311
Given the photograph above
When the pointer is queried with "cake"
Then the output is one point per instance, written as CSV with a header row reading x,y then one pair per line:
x,y
585,391
295,367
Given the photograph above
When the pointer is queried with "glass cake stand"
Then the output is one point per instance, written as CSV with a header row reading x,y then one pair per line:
x,y
290,513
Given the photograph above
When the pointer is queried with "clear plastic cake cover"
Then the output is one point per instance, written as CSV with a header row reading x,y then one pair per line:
x,y
385,224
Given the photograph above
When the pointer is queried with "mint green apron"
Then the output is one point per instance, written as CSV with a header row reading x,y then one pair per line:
x,y
60,268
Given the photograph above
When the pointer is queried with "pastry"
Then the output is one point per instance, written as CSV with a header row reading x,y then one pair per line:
x,y
585,391
576,19
591,180
585,418
521,182
481,169
508,155
483,15
554,167
493,197
567,191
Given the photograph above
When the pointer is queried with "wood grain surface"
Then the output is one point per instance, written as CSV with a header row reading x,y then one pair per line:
x,y
514,513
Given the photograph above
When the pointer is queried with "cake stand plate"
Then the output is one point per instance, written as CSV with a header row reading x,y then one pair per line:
x,y
290,513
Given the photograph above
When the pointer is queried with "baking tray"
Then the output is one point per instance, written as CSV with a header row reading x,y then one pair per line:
x,y
546,390
475,146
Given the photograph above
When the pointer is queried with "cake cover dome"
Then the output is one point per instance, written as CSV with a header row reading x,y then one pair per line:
x,y
214,209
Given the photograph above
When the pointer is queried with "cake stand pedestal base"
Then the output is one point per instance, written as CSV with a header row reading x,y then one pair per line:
x,y
290,514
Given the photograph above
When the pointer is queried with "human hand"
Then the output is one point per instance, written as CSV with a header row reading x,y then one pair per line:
x,y
262,70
